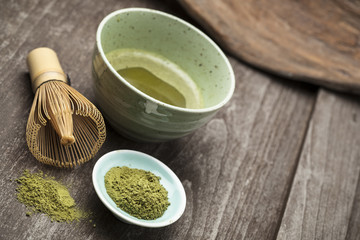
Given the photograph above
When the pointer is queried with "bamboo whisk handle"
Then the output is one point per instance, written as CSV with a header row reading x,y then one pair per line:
x,y
44,66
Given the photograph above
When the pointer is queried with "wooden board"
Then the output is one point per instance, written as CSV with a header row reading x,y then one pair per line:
x,y
236,170
323,196
313,41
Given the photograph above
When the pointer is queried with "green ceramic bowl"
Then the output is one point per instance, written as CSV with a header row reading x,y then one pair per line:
x,y
132,112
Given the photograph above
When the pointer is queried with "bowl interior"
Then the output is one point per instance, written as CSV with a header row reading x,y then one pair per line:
x,y
134,159
175,40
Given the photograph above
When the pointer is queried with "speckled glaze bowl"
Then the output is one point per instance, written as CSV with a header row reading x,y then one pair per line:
x,y
137,115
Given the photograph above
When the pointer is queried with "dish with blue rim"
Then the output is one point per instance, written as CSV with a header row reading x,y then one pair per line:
x,y
139,160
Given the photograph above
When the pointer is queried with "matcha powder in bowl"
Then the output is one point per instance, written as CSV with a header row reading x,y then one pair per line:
x,y
44,194
137,192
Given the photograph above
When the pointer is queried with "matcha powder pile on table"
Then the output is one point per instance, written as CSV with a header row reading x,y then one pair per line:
x,y
43,194
137,192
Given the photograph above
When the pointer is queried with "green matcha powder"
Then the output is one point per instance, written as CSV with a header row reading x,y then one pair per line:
x,y
137,192
43,194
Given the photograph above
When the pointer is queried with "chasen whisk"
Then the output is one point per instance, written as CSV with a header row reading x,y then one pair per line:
x,y
64,128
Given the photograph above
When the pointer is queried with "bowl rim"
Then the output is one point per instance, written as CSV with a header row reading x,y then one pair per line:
x,y
132,220
181,109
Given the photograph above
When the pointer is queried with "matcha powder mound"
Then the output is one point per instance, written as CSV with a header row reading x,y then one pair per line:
x,y
43,194
137,192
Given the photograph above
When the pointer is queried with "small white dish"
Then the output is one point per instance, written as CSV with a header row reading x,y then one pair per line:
x,y
134,159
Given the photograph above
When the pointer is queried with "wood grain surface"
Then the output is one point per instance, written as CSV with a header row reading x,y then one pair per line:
x,y
353,231
238,170
322,198
314,41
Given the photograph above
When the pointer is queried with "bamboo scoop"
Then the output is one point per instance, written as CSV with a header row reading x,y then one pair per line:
x,y
76,130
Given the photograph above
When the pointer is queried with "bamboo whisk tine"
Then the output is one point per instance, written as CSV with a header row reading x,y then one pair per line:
x,y
76,130
60,113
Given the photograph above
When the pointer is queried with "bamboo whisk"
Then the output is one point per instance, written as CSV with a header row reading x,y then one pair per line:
x,y
76,130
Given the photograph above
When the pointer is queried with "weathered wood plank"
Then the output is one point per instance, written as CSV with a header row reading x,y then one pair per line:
x,y
353,232
262,150
236,170
314,41
322,195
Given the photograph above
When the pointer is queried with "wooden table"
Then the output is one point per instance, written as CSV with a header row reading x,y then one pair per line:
x,y
280,161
